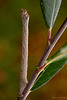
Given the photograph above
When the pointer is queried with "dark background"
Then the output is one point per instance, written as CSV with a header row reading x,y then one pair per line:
x,y
10,49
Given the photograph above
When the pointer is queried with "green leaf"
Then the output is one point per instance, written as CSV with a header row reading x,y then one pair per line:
x,y
50,10
17,98
53,66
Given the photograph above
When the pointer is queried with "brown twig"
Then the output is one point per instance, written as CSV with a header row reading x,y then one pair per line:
x,y
53,42
43,59
24,57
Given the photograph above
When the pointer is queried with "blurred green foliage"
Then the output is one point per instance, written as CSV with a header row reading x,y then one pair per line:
x,y
10,48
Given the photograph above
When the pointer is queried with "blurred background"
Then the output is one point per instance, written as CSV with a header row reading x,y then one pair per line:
x,y
10,49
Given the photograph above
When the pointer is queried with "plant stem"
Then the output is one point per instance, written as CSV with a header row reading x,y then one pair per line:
x,y
52,43
43,59
24,57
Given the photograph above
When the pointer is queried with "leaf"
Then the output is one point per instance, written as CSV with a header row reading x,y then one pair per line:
x,y
50,10
53,66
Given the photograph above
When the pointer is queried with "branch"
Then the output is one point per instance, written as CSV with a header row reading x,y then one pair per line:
x,y
24,57
52,43
43,59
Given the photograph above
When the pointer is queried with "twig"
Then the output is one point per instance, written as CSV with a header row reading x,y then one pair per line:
x,y
24,58
43,59
53,42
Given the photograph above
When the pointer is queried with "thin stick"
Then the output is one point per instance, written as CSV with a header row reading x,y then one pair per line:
x,y
43,59
53,42
24,58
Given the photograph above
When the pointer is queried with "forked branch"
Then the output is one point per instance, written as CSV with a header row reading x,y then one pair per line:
x,y
41,64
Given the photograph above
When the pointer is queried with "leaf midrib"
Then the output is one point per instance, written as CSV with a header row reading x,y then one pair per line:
x,y
53,14
52,60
